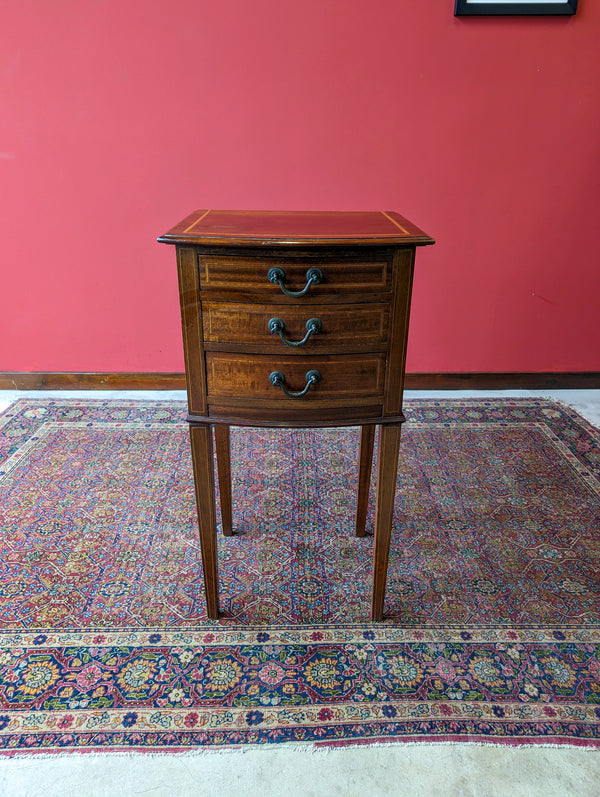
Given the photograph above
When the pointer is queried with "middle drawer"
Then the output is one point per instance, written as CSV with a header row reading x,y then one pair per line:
x,y
301,329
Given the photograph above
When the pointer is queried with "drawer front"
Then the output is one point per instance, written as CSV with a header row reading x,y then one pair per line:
x,y
220,273
246,377
337,328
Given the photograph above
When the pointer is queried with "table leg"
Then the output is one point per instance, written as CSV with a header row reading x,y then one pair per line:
x,y
387,468
224,471
202,458
367,436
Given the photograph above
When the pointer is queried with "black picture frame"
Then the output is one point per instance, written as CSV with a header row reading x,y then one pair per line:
x,y
506,7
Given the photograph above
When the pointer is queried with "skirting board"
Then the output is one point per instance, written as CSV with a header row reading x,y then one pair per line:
x,y
176,381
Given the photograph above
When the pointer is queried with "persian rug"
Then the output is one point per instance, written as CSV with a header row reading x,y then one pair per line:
x,y
492,629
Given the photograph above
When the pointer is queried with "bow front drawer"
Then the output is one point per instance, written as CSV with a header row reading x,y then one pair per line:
x,y
291,328
248,377
293,279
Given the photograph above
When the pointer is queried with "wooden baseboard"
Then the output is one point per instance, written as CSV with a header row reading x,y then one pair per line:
x,y
176,381
91,381
589,380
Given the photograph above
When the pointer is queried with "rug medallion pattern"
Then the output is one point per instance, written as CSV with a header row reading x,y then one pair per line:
x,y
492,629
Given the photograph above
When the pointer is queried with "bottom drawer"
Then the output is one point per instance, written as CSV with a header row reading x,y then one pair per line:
x,y
248,377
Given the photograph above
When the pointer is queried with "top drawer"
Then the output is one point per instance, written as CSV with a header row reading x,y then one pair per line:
x,y
285,278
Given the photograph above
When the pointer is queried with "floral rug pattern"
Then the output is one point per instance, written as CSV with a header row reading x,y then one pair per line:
x,y
492,629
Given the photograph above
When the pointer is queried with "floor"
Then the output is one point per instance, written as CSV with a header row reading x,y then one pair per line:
x,y
419,770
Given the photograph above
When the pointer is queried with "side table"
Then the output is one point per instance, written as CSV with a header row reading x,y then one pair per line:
x,y
295,319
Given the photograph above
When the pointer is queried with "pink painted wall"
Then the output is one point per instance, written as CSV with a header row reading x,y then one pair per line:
x,y
119,118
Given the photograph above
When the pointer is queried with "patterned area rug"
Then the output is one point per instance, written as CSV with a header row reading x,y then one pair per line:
x,y
492,629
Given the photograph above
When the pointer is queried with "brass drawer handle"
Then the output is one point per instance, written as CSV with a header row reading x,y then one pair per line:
x,y
277,276
277,378
276,327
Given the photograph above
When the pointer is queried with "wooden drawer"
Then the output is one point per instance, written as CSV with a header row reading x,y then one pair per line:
x,y
226,275
357,327
246,377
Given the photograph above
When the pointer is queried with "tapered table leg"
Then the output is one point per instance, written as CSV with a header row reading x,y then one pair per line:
x,y
367,436
202,458
224,471
387,468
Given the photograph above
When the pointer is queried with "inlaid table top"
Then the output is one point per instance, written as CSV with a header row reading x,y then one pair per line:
x,y
233,227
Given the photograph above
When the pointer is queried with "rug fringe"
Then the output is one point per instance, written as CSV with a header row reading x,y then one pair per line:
x,y
309,749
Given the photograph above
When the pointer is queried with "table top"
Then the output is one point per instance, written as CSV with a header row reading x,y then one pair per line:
x,y
283,228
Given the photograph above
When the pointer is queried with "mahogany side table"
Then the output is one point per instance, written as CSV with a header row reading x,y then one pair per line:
x,y
295,319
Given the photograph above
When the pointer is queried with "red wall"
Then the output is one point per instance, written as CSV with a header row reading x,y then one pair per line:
x,y
119,117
